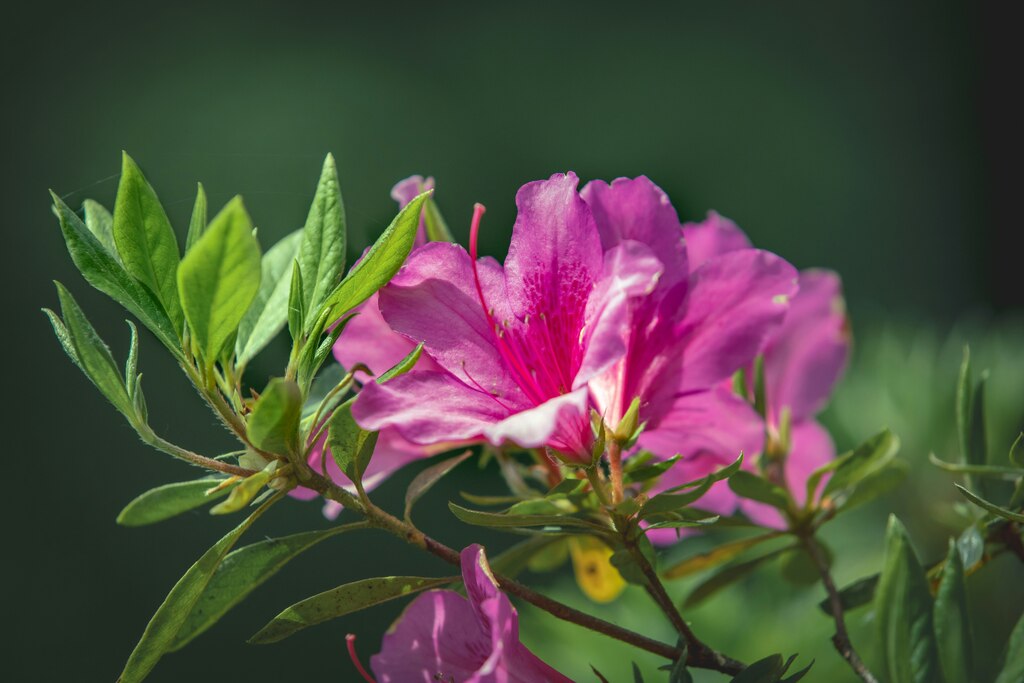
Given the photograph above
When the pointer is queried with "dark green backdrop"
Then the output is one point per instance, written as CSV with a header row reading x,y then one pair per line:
x,y
870,138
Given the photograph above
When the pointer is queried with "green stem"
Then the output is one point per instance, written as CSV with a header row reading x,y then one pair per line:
x,y
841,639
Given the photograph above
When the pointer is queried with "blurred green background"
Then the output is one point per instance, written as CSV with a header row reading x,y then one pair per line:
x,y
873,138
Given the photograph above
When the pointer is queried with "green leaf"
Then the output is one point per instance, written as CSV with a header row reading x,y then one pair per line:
x,y
903,613
952,628
872,485
145,239
163,628
760,401
718,555
242,572
767,670
296,317
105,273
637,676
798,567
93,356
197,224
729,575
999,471
170,500
403,366
437,228
269,310
516,559
857,594
351,446
343,600
669,502
274,422
1013,663
748,485
503,520
321,256
1017,451
101,224
426,479
850,468
380,263
242,494
991,507
964,396
219,279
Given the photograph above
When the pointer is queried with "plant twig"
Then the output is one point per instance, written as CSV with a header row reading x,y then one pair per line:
x,y
383,520
841,639
697,649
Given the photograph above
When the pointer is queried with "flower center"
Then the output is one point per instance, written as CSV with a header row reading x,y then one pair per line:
x,y
536,351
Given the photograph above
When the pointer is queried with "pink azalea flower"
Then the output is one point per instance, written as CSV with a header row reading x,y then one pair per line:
x,y
803,360
597,304
444,637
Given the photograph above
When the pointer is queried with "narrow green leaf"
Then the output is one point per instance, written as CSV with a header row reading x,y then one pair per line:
x,y
870,456
172,613
101,225
351,446
760,400
991,507
321,256
999,471
219,278
274,422
637,676
503,520
857,594
952,628
437,228
296,317
93,355
767,670
243,493
716,476
64,337
872,485
1013,663
380,263
144,238
514,561
718,555
342,600
426,479
1017,451
197,224
242,572
170,500
903,613
269,310
729,575
403,366
105,273
669,502
748,485
131,365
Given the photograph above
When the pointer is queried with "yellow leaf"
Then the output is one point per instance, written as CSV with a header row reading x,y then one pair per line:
x,y
597,578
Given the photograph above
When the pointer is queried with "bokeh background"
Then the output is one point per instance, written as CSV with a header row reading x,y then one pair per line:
x,y
874,138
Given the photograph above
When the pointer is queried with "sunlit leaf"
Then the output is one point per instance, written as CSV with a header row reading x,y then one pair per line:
x,y
219,278
340,601
269,310
170,500
171,615
903,614
952,627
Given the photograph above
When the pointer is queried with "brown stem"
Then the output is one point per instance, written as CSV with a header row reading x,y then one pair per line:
x,y
698,650
841,639
196,459
383,520
615,470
